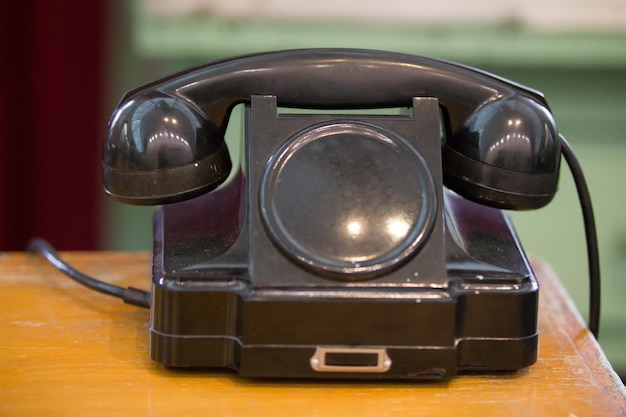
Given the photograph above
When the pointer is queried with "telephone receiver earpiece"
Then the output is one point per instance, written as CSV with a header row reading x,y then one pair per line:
x,y
166,139
162,149
506,154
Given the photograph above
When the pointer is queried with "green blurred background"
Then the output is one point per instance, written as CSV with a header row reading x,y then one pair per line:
x,y
577,61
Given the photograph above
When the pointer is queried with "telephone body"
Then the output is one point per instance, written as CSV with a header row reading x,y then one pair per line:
x,y
334,250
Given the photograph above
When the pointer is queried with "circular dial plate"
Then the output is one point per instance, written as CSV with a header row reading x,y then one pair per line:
x,y
348,198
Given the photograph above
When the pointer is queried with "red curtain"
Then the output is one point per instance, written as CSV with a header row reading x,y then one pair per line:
x,y
51,124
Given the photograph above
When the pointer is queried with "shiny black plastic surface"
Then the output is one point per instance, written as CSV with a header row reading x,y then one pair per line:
x,y
160,146
501,146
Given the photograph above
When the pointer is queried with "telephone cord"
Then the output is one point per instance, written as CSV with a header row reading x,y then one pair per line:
x,y
593,258
129,295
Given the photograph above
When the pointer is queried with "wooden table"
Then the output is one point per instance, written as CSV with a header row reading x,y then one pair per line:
x,y
68,351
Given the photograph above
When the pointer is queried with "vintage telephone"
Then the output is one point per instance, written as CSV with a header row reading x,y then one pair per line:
x,y
333,250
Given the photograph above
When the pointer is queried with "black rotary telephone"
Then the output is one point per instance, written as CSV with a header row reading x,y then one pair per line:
x,y
333,250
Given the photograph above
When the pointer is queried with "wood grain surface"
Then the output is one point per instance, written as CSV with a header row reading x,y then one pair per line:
x,y
68,351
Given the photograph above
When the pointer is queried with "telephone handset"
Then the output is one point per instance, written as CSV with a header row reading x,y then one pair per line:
x,y
335,252
501,146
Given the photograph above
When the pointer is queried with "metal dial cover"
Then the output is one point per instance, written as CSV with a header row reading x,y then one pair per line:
x,y
348,198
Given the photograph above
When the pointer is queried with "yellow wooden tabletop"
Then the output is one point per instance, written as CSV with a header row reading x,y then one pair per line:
x,y
68,351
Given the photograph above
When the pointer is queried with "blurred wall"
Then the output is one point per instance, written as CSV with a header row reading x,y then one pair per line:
x,y
52,75
536,14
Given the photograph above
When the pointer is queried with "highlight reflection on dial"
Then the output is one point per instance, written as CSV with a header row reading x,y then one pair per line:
x,y
398,227
348,199
354,228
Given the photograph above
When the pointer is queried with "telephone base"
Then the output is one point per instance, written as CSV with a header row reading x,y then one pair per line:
x,y
213,315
